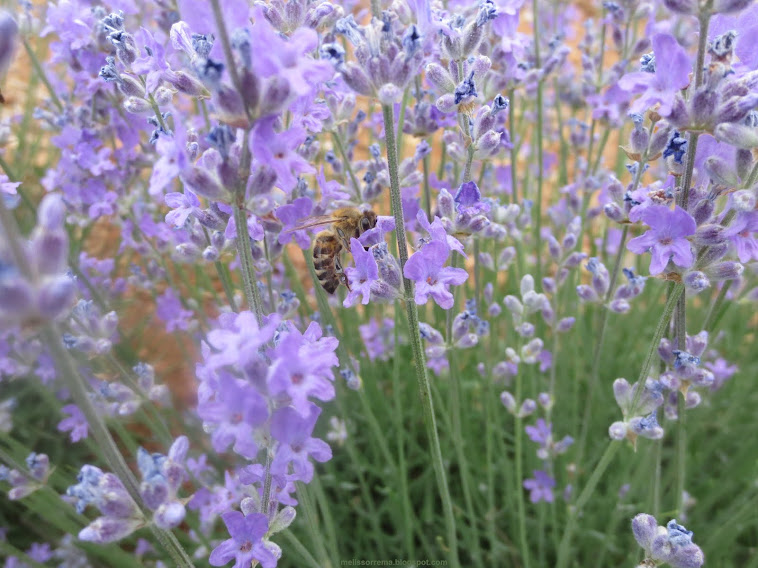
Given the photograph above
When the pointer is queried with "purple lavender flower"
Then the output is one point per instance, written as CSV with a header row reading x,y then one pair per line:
x,y
426,268
170,311
301,368
742,234
236,409
671,544
362,275
666,238
246,544
663,75
182,206
76,423
540,487
291,214
296,446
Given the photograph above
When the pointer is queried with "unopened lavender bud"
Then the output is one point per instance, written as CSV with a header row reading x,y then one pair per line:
x,y
703,211
485,259
554,247
472,37
282,520
435,351
696,281
187,84
614,212
619,306
615,189
488,143
725,270
639,139
357,79
714,253
710,234
467,341
720,172
528,407
446,103
109,529
569,241
659,140
739,135
645,529
703,105
506,257
211,254
54,297
130,87
574,259
548,285
702,378
446,204
743,200
137,105
430,335
730,6
513,305
617,431
743,161
586,293
188,252
494,309
526,329
565,324
200,181
545,400
478,224
692,399
440,78
508,401
51,212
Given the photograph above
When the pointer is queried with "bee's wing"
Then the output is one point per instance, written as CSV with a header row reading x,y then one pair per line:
x,y
315,222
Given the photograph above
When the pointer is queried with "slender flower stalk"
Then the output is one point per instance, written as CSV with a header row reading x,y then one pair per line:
x,y
415,337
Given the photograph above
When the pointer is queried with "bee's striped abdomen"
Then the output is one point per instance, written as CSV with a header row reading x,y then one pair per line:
x,y
325,250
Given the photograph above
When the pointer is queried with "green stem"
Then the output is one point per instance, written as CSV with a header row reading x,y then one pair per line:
x,y
415,338
245,252
514,150
565,546
348,165
681,454
710,319
518,450
42,75
427,191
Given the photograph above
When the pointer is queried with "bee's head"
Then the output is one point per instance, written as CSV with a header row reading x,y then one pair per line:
x,y
368,221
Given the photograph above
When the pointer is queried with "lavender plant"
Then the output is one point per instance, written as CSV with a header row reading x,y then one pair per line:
x,y
321,283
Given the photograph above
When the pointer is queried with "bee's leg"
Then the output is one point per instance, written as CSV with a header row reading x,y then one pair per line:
x,y
342,276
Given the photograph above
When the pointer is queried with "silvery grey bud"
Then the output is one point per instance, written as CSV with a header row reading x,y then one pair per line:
x,y
720,172
743,161
744,200
614,212
714,253
696,281
137,105
638,139
703,211
710,234
686,7
703,105
440,78
130,87
730,6
727,270
659,140
739,135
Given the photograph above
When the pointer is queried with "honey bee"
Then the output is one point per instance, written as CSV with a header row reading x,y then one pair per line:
x,y
347,223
